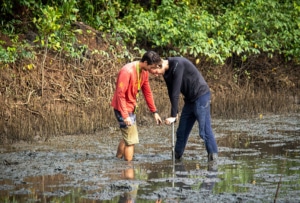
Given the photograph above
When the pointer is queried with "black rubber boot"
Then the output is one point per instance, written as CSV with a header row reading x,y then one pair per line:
x,y
212,157
177,156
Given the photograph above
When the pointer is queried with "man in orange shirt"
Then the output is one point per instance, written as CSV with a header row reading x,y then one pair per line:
x,y
132,78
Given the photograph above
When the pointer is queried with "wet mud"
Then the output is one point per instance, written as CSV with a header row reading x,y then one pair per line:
x,y
259,161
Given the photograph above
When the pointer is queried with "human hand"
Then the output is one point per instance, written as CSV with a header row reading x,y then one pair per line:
x,y
170,120
127,121
157,118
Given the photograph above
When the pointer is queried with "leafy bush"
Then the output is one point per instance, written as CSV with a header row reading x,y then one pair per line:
x,y
18,50
215,29
237,28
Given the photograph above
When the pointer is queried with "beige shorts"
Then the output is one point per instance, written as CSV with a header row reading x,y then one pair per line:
x,y
130,135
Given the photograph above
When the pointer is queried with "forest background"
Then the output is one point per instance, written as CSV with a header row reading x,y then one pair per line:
x,y
59,59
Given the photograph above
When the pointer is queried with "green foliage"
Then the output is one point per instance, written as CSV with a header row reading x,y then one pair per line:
x,y
14,11
48,23
215,29
173,27
8,55
18,50
247,33
101,14
53,21
54,25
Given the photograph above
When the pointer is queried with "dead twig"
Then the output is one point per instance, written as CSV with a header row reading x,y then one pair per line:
x,y
277,190
28,99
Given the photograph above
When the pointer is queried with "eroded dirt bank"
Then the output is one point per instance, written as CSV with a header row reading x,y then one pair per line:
x,y
259,161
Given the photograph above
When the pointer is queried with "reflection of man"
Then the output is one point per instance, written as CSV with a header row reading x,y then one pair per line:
x,y
209,183
158,201
128,173
129,197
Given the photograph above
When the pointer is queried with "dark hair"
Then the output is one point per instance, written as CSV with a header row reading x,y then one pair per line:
x,y
151,57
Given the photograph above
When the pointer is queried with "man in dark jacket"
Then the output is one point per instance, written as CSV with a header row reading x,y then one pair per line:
x,y
181,76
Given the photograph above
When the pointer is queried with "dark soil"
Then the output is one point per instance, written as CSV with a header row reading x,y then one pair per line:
x,y
258,162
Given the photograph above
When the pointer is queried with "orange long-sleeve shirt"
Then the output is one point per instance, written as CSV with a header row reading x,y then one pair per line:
x,y
124,99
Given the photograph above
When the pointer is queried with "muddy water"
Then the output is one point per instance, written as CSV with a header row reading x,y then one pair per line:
x,y
259,161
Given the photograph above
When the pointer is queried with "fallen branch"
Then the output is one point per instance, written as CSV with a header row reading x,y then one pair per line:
x,y
28,99
277,190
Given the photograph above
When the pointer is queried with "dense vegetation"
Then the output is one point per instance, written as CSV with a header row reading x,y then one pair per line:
x,y
59,58
215,29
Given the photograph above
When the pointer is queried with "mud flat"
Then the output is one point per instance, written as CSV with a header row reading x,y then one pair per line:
x,y
259,161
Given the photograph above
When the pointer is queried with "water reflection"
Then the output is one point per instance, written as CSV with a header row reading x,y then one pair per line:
x,y
211,177
207,178
251,162
130,196
264,145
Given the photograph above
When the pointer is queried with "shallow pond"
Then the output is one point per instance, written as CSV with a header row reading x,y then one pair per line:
x,y
259,161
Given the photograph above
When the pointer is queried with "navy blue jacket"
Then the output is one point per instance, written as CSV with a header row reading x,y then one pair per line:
x,y
182,76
